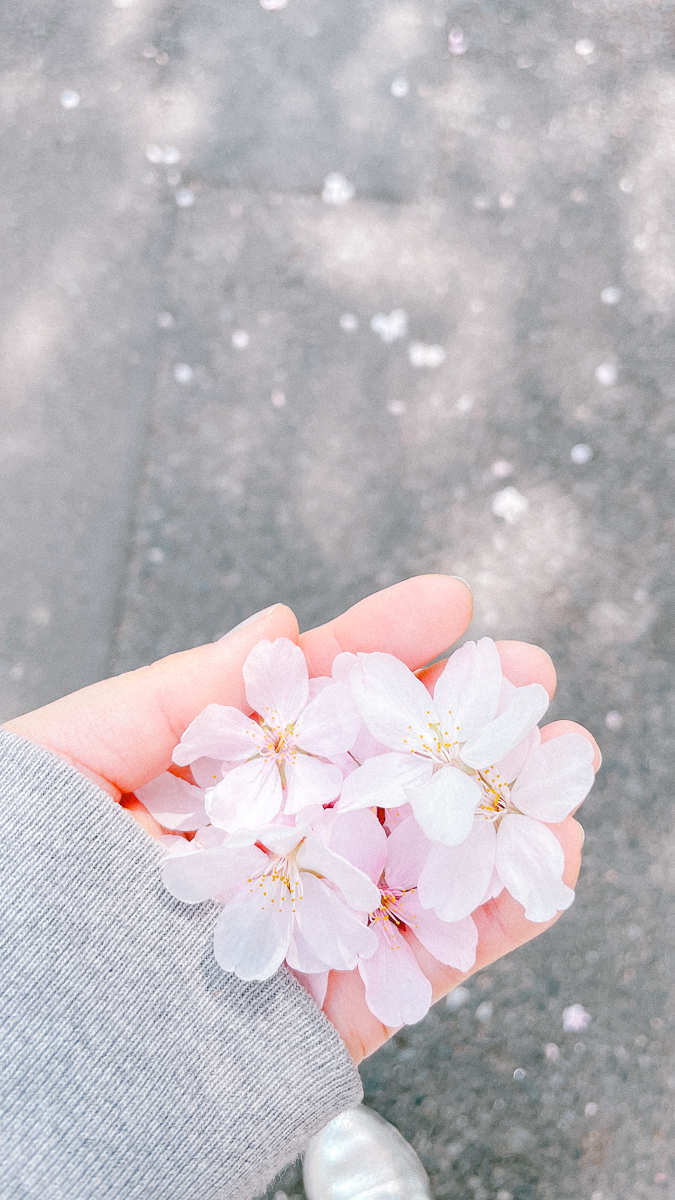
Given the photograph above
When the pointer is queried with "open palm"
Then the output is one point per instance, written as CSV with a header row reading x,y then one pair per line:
x,y
121,732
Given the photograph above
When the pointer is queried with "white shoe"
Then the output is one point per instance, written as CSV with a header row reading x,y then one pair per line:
x,y
360,1156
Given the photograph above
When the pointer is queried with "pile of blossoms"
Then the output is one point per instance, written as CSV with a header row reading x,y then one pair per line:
x,y
351,815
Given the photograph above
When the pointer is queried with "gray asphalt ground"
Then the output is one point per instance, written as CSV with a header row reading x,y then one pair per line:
x,y
198,420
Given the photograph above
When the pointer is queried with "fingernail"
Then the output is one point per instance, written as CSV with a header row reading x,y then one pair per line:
x,y
464,581
264,612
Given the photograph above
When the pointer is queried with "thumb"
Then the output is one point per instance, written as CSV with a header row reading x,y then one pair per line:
x,y
120,733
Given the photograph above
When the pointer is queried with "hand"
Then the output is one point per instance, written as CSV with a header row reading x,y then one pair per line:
x,y
120,733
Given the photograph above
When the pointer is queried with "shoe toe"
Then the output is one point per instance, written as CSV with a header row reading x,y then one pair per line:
x,y
360,1156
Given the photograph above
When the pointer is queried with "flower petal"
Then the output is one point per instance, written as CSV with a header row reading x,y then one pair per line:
x,y
202,874
334,934
555,779
248,796
530,863
251,937
300,955
207,772
277,681
445,806
358,890
330,723
452,943
495,740
494,888
397,990
468,690
173,802
407,851
510,766
343,665
310,781
360,839
219,732
455,878
395,706
381,782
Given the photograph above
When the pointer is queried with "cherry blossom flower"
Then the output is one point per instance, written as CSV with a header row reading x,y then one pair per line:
x,y
441,747
276,759
290,896
397,990
510,844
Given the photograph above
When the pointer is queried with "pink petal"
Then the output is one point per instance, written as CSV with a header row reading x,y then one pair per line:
x,y
366,746
510,766
530,863
277,681
494,888
496,739
329,725
407,851
394,816
358,890
452,943
248,796
219,732
468,690
208,836
445,806
381,782
316,984
360,839
395,706
207,772
309,781
455,878
173,802
175,843
335,935
317,685
203,874
397,990
343,665
300,955
555,779
251,936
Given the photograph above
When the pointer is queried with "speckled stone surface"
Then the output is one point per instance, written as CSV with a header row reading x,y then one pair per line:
x,y
202,420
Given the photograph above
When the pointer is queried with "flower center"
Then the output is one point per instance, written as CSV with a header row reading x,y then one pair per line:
x,y
280,883
278,741
496,801
388,916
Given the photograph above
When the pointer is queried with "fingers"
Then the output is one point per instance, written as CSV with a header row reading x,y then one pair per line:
x,y
414,620
345,1006
524,663
121,732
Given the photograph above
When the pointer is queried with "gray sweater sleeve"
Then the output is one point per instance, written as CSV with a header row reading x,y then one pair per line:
x,y
130,1064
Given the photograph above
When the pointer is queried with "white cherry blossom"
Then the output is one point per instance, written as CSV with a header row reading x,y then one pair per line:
x,y
397,990
510,844
290,896
440,748
277,759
